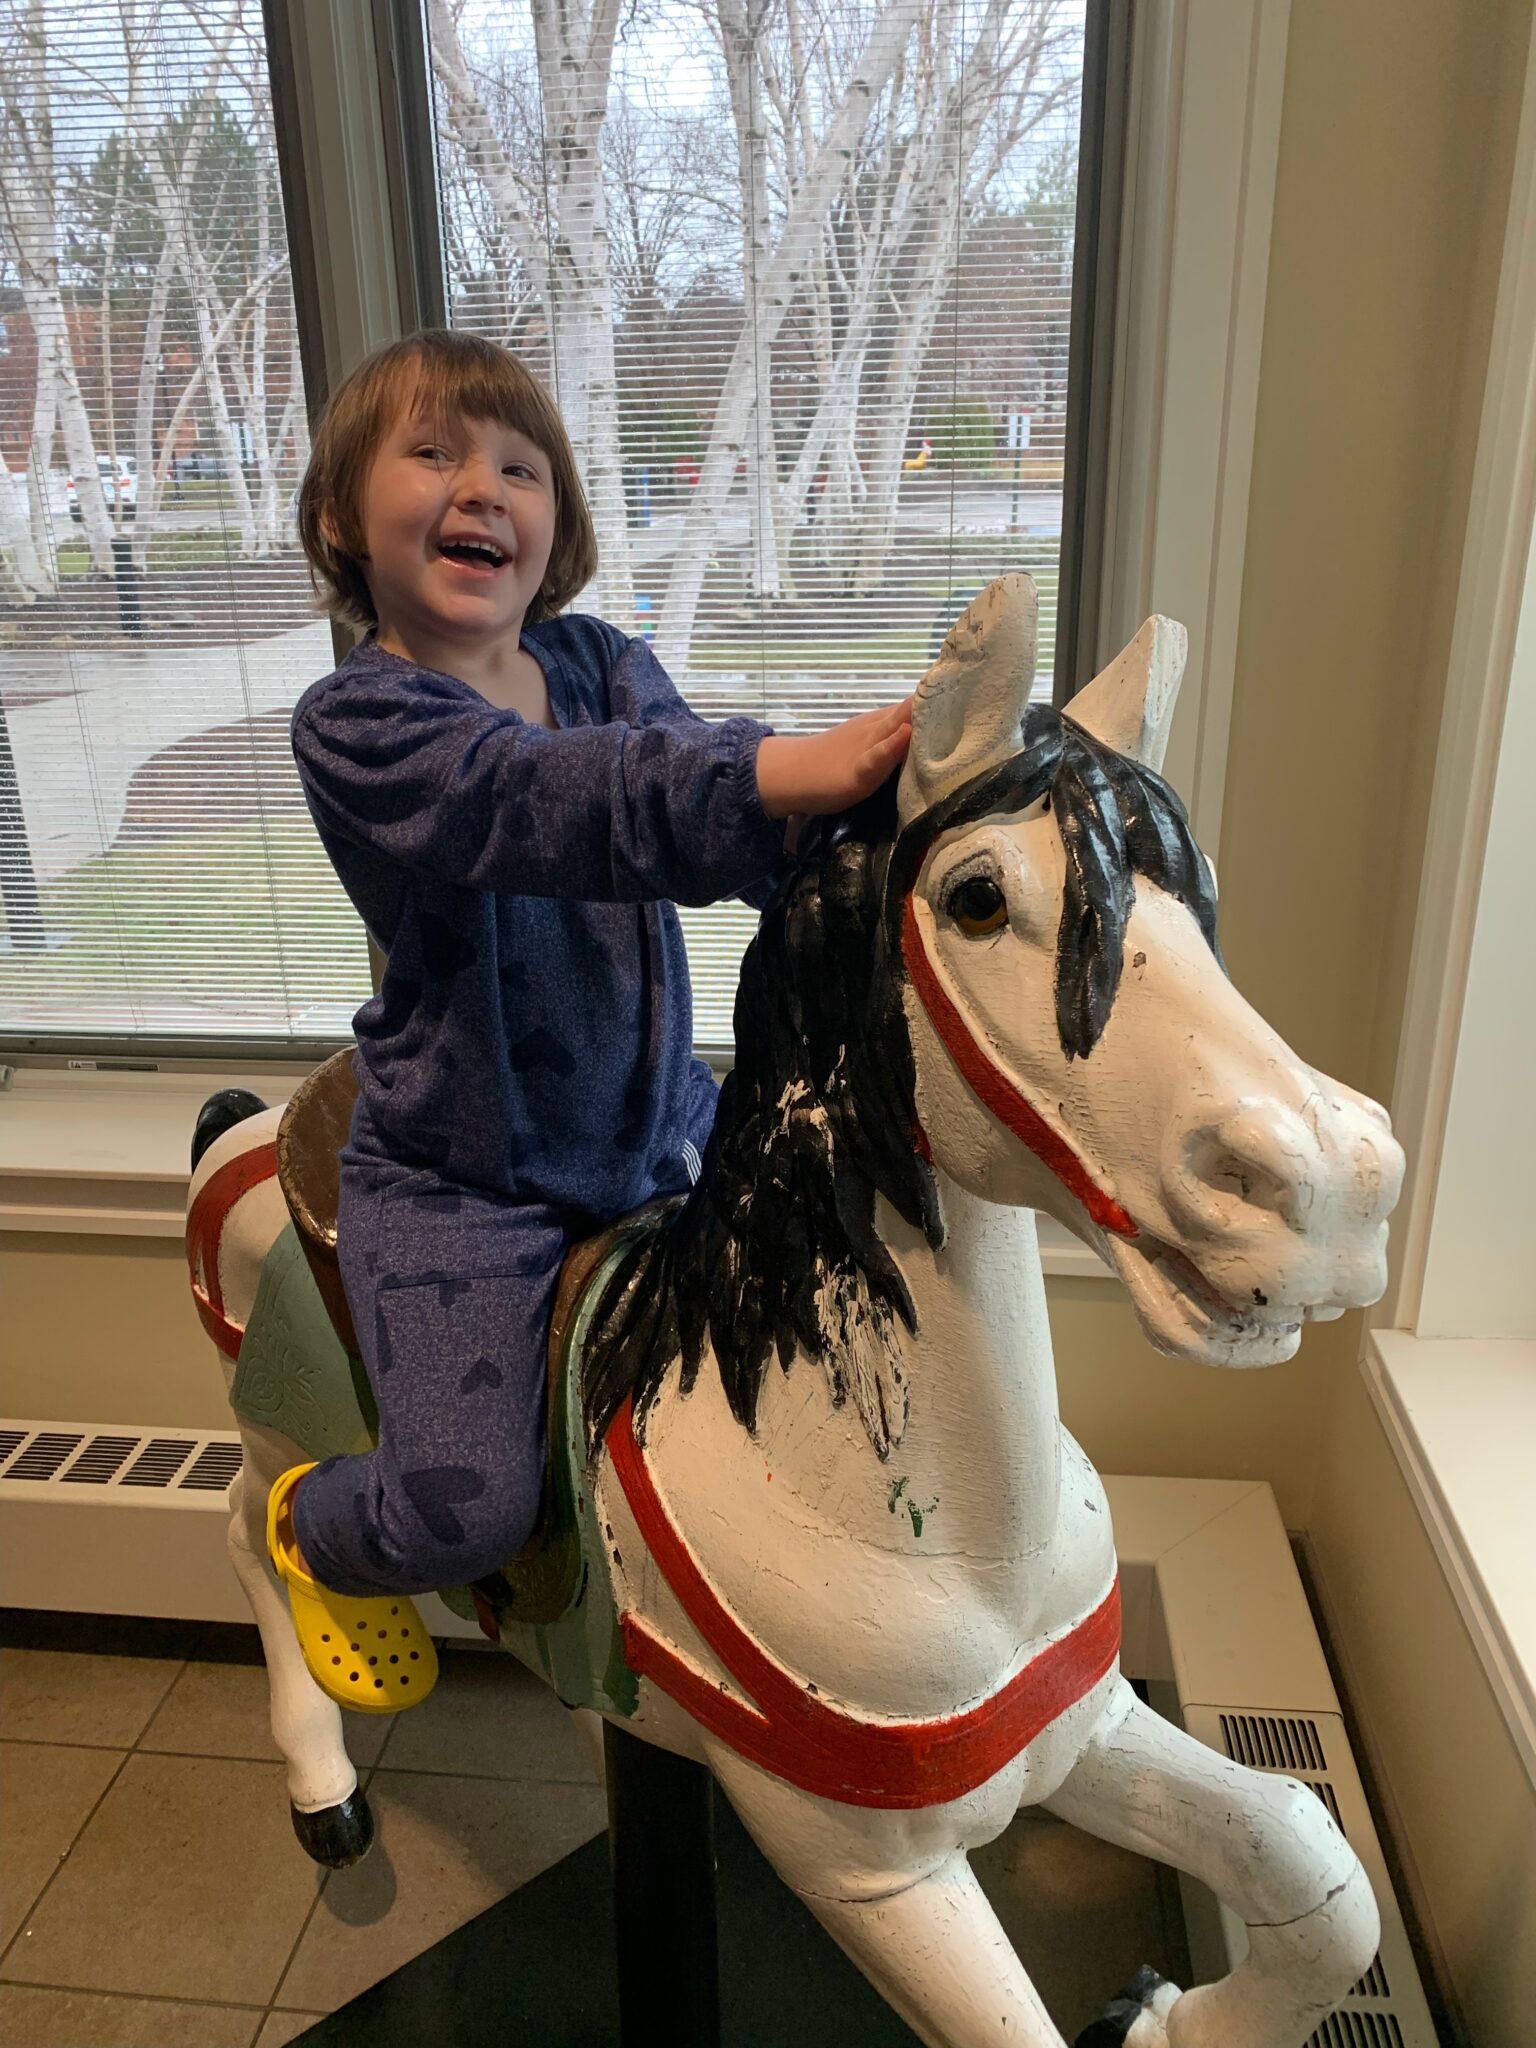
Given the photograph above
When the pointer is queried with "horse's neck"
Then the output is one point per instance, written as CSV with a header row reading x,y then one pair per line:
x,y
975,1471
982,1435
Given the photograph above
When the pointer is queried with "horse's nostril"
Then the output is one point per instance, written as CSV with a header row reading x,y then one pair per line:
x,y
1233,1173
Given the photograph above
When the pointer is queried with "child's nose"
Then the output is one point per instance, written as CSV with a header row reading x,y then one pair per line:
x,y
482,483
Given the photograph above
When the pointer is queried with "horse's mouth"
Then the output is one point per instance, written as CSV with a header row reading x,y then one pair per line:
x,y
1185,1314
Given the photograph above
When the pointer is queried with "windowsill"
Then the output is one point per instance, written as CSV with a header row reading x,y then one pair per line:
x,y
1460,1415
107,1155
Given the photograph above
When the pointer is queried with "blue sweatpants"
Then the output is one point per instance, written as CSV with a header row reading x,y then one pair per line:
x,y
451,1291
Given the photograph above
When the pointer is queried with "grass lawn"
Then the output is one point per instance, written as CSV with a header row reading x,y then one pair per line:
x,y
193,920
187,547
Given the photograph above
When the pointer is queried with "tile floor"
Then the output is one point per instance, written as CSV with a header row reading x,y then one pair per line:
x,y
152,1894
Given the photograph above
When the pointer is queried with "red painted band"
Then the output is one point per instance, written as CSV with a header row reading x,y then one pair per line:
x,y
205,1221
795,1734
997,1093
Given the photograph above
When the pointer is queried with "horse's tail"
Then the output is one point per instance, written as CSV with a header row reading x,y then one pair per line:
x,y
220,1113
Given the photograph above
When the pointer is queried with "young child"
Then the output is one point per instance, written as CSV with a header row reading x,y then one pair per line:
x,y
513,797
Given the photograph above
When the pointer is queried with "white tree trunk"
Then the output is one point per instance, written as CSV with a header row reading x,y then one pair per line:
x,y
744,78
776,288
571,261
27,574
152,469
28,189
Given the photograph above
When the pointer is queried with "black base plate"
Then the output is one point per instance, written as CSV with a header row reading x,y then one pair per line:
x,y
537,1970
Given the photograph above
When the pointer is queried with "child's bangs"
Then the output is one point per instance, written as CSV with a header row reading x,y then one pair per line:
x,y
440,387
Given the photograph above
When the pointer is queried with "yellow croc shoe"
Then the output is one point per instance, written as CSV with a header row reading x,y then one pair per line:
x,y
369,1652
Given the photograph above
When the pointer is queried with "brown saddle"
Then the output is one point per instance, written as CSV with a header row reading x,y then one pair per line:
x,y
309,1141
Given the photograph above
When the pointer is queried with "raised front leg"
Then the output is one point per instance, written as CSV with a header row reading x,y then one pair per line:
x,y
1263,1844
902,1907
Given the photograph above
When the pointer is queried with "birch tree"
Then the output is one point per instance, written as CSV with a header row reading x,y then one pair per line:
x,y
778,280
557,222
977,104
29,213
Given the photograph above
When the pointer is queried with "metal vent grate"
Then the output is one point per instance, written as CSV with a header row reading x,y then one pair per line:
x,y
159,1462
45,1454
1373,1984
195,1463
1274,1742
99,1460
1330,1799
1348,2029
212,1469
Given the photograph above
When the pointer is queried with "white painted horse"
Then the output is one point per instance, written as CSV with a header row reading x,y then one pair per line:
x,y
858,1567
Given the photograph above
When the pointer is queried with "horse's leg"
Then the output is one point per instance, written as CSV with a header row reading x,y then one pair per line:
x,y
330,1816
1263,1844
925,1936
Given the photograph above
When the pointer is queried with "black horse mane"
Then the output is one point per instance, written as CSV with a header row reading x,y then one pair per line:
x,y
776,1249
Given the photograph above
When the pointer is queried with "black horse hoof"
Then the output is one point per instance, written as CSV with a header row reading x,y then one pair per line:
x,y
1112,2026
336,1835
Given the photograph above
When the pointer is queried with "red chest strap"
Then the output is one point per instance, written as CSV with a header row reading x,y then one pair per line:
x,y
793,1733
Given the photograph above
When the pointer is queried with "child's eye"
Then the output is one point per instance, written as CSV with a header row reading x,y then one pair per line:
x,y
519,469
433,454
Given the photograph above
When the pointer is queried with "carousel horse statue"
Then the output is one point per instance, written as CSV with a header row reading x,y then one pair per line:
x,y
811,1518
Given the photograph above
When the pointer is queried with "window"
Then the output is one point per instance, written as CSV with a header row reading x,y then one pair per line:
x,y
158,874
800,279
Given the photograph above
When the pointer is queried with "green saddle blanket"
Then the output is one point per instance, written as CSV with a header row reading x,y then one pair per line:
x,y
552,1606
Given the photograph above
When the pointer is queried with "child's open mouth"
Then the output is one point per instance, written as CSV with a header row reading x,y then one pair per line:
x,y
482,557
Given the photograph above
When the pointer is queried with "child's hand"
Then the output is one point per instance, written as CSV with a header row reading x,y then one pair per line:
x,y
820,772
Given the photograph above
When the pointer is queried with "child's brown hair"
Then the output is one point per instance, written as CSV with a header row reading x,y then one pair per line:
x,y
444,374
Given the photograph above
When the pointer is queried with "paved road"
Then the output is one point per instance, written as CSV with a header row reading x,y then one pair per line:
x,y
76,753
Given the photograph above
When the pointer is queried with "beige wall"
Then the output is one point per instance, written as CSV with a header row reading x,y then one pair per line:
x,y
1394,167
1394,160
102,1329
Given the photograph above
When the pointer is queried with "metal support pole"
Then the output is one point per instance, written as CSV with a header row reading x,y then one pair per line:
x,y
662,1842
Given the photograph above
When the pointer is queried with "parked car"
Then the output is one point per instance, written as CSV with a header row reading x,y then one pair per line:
x,y
119,484
197,464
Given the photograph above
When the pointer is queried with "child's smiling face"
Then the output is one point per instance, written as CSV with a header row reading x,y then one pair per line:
x,y
458,522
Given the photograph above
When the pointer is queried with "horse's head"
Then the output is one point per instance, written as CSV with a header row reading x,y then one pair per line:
x,y
1076,1045
1004,971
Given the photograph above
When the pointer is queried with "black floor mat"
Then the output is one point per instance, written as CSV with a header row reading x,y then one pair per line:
x,y
537,1970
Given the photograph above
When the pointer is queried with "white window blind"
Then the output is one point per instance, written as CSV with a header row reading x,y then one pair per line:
x,y
799,274
159,876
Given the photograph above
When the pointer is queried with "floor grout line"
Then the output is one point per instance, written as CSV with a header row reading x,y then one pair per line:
x,y
148,1997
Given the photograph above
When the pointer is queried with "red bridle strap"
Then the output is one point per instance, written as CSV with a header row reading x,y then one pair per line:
x,y
792,1732
993,1089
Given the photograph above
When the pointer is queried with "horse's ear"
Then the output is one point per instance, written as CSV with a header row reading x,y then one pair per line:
x,y
970,706
1129,705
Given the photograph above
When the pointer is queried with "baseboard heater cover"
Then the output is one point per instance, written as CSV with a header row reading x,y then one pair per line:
x,y
126,1519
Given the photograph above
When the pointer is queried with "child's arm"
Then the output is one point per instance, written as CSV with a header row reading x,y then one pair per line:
x,y
414,766
797,775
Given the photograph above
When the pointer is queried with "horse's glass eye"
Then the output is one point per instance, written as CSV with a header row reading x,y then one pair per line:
x,y
978,907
